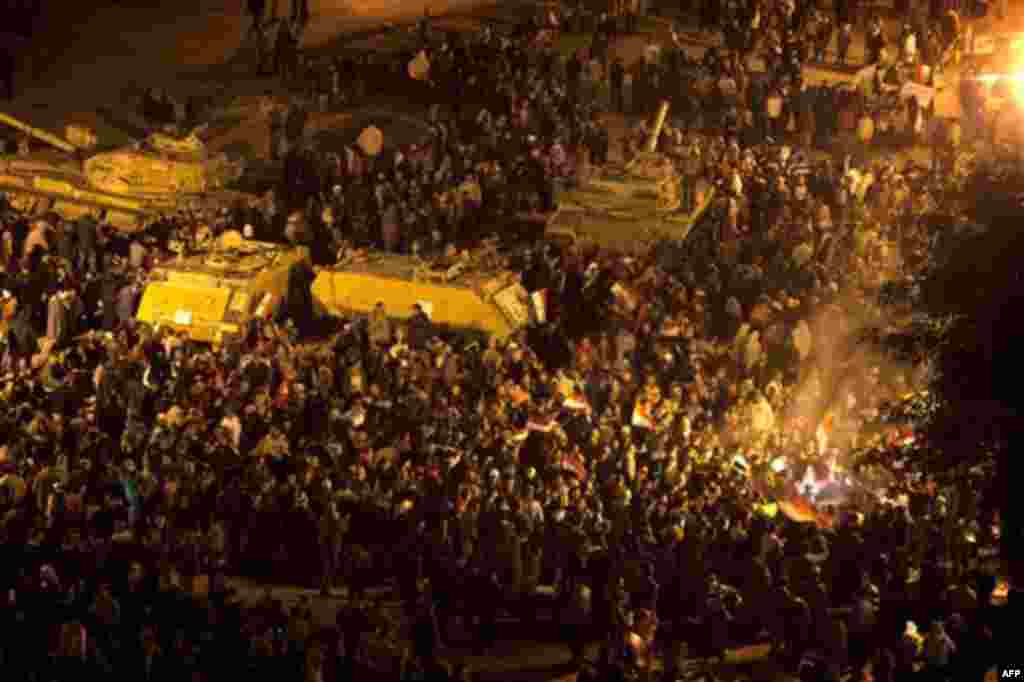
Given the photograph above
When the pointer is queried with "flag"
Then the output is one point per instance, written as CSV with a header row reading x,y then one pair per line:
x,y
672,330
577,401
642,416
572,394
905,439
419,67
800,510
541,427
518,396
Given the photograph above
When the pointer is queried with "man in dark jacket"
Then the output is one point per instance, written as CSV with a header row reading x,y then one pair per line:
x,y
88,253
573,72
257,10
420,328
618,84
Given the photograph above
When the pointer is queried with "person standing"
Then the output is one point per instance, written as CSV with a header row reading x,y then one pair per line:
x,y
87,229
875,40
282,49
257,10
618,85
300,12
295,125
276,130
331,531
843,42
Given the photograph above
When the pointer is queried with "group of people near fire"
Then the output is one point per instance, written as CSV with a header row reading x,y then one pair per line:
x,y
639,448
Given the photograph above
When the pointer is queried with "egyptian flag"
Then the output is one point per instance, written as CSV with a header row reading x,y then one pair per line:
x,y
541,426
572,395
799,509
577,402
904,439
642,416
518,396
521,435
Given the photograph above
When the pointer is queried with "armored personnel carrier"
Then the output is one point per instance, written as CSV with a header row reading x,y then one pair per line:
x,y
624,205
133,184
213,295
468,292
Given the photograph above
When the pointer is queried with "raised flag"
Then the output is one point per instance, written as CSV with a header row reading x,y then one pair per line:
x,y
518,396
802,511
541,427
642,417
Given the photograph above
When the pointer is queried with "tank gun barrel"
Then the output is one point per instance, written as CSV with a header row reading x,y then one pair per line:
x,y
42,135
651,144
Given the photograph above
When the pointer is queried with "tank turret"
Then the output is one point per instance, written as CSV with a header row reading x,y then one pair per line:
x,y
630,201
659,122
133,184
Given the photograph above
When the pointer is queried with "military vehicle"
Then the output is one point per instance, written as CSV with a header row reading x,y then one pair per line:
x,y
625,205
212,296
133,185
468,293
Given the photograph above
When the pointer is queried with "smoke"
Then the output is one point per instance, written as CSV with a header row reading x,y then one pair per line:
x,y
816,424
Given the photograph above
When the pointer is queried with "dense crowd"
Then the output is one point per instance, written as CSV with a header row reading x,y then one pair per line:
x,y
624,451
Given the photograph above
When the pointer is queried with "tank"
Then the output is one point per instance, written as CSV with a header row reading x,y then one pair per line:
x,y
212,295
135,184
471,292
625,205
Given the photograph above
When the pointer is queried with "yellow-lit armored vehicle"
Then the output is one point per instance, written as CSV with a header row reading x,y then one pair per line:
x,y
460,293
624,205
133,184
213,295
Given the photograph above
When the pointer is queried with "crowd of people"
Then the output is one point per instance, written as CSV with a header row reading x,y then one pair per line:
x,y
632,450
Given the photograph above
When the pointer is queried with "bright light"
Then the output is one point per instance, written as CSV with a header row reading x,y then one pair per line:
x,y
1015,83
